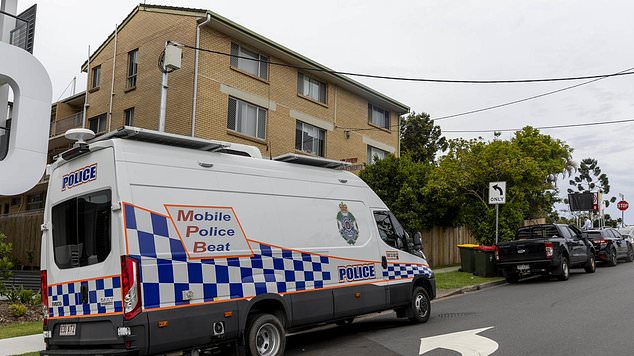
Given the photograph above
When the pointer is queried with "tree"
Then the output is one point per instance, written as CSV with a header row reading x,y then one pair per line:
x,y
399,183
524,162
590,179
421,139
5,261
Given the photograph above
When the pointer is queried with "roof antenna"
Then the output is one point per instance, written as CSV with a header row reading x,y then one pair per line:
x,y
80,135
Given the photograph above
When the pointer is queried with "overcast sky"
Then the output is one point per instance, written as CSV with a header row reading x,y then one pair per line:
x,y
477,40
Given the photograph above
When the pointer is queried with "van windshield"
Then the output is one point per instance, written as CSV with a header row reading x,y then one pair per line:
x,y
81,230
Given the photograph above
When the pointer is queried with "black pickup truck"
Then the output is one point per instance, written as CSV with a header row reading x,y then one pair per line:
x,y
547,249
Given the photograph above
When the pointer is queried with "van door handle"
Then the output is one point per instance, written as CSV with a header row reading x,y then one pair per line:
x,y
384,262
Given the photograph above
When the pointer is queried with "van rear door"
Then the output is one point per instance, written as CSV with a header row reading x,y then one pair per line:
x,y
81,252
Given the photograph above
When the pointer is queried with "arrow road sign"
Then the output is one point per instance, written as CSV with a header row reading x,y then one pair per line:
x,y
467,343
497,192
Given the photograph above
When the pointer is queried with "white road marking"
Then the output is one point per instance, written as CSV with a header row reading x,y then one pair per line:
x,y
467,343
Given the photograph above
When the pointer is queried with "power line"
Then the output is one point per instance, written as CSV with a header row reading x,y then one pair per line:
x,y
545,127
412,79
525,99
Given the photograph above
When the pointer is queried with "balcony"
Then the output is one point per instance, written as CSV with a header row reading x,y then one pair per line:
x,y
59,127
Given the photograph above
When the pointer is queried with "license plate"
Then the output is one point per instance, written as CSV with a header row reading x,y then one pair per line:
x,y
523,268
67,329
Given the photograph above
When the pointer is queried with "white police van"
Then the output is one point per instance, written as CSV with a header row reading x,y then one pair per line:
x,y
155,242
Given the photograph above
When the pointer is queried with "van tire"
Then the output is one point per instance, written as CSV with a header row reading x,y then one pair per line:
x,y
265,336
419,308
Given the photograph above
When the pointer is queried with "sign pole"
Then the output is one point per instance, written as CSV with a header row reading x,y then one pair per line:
x,y
497,214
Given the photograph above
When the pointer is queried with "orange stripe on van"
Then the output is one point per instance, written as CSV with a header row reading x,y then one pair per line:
x,y
84,316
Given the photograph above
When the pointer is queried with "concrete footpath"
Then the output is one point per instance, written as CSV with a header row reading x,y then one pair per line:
x,y
22,344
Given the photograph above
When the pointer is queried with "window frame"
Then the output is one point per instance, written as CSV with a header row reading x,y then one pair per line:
x,y
132,69
371,156
386,118
321,140
95,73
302,78
238,51
99,117
259,111
128,121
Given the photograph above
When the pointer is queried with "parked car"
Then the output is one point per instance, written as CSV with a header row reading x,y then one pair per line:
x,y
610,246
547,250
628,233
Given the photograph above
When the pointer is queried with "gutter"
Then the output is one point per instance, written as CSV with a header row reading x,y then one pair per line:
x,y
195,99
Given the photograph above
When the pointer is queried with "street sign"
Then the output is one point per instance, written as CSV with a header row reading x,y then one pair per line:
x,y
622,205
497,192
466,343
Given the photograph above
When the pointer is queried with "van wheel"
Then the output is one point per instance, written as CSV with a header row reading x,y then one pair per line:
x,y
564,271
265,336
419,308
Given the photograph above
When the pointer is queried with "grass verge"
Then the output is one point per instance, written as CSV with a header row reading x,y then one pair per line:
x,y
452,280
20,329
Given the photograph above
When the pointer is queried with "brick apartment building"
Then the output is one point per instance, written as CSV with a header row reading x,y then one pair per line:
x,y
277,108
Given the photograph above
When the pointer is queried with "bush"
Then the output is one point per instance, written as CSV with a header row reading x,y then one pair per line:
x,y
17,310
22,296
5,261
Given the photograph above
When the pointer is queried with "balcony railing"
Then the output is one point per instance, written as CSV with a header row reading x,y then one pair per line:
x,y
59,127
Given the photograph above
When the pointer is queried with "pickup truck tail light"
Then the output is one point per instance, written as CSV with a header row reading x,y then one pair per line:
x,y
549,249
497,254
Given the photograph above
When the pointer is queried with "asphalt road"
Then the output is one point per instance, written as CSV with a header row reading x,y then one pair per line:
x,y
590,314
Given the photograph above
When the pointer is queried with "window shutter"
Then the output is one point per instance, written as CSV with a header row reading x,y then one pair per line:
x,y
231,116
322,92
300,83
261,123
235,50
264,67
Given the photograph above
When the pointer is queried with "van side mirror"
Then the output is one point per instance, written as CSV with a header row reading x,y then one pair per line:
x,y
418,241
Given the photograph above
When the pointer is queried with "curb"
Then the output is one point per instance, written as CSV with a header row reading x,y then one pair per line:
x,y
474,288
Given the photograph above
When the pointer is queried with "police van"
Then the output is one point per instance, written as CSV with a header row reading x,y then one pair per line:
x,y
155,242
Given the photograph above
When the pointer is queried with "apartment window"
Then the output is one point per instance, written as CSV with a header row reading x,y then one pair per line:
x,y
378,116
35,201
128,115
133,66
375,154
246,118
98,123
311,88
249,61
309,139
96,77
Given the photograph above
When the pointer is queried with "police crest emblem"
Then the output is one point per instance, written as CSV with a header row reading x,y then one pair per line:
x,y
347,224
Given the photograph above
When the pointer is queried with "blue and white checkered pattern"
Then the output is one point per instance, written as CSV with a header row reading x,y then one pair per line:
x,y
168,277
406,270
104,296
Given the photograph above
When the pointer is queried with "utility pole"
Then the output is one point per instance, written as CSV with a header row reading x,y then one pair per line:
x,y
170,61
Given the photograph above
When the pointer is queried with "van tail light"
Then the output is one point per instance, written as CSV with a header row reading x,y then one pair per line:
x,y
549,249
497,254
131,287
44,294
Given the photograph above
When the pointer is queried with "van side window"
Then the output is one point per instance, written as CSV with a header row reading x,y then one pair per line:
x,y
386,229
81,230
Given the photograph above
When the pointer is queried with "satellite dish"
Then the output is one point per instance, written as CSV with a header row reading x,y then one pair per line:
x,y
80,135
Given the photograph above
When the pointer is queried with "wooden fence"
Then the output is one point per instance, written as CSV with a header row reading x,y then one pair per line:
x,y
439,244
23,231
